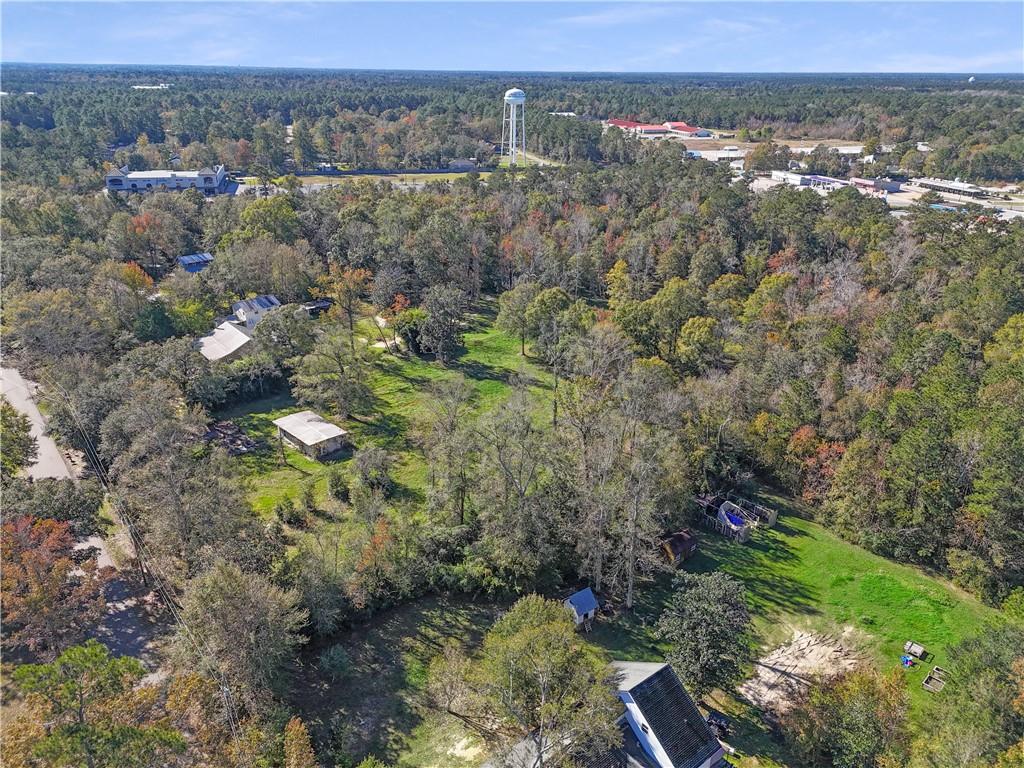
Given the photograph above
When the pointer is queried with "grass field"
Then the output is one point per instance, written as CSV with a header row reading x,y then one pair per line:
x,y
533,159
400,386
383,697
420,178
797,575
800,576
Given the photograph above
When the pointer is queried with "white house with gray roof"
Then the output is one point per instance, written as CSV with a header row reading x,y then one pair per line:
x,y
251,311
661,727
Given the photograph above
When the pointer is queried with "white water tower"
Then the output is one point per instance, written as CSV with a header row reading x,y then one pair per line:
x,y
513,127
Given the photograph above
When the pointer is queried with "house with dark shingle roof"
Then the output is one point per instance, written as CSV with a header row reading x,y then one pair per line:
x,y
661,727
664,719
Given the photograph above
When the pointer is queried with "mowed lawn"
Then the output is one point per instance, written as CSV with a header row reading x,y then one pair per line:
x,y
401,386
797,575
800,576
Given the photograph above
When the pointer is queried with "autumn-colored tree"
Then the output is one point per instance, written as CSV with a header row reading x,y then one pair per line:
x,y
298,749
347,288
620,284
850,720
48,599
376,569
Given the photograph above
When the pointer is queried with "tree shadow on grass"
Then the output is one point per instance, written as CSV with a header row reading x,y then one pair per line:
x,y
753,734
382,698
267,459
391,429
763,564
474,369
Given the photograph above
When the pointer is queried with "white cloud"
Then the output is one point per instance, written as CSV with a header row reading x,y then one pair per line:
x,y
617,15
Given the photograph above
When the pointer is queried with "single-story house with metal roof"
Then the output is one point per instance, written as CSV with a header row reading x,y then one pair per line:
x,y
684,129
251,311
311,433
583,605
195,262
226,342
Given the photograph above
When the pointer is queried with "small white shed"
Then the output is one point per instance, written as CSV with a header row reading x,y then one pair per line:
x,y
583,605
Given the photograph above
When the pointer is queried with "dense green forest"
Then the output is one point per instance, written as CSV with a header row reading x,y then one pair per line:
x,y
672,334
58,122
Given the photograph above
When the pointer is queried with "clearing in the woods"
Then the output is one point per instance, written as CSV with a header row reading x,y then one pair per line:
x,y
799,577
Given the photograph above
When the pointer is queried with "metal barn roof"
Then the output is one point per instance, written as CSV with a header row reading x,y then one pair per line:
x,y
195,258
222,341
309,427
257,304
195,261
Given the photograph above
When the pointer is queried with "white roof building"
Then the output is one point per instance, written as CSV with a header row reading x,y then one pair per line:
x,y
224,342
206,180
311,433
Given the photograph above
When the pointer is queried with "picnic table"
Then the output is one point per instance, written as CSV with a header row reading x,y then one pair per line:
x,y
915,649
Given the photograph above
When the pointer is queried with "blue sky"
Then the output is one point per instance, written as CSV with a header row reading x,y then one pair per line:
x,y
969,37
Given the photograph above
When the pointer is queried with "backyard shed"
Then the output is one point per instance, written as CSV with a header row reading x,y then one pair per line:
x,y
311,433
583,605
679,546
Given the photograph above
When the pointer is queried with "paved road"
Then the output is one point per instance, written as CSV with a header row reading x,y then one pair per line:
x,y
50,461
131,624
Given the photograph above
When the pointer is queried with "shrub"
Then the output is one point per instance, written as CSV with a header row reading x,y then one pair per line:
x,y
334,662
337,485
285,511
307,501
373,468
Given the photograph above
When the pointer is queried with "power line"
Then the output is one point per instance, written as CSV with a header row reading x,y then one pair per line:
x,y
143,554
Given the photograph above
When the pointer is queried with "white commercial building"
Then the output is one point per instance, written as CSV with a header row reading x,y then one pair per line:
x,y
209,181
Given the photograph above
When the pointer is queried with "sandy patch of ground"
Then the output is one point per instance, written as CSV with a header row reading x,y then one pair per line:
x,y
786,670
466,749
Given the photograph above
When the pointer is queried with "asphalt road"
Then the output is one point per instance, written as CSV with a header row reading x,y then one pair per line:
x,y
50,461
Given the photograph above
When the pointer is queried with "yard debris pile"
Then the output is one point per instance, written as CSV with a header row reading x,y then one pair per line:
x,y
230,437
786,670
